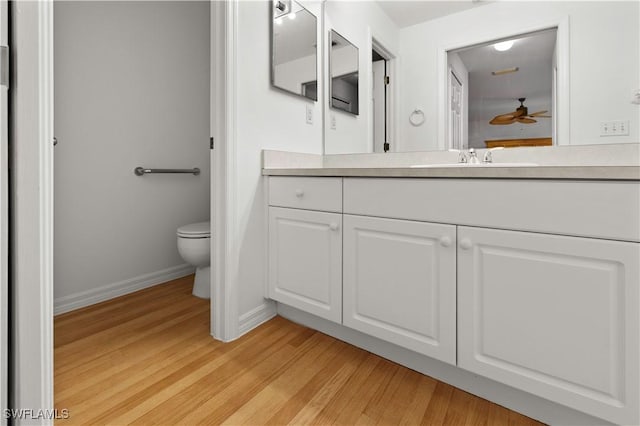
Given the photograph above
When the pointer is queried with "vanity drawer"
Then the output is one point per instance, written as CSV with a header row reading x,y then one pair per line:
x,y
596,209
309,193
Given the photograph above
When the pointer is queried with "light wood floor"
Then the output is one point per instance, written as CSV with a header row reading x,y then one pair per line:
x,y
147,358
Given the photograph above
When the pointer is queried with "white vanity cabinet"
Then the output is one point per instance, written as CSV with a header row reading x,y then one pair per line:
x,y
552,315
305,246
533,284
399,283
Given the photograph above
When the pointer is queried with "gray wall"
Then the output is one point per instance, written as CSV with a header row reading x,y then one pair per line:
x,y
131,89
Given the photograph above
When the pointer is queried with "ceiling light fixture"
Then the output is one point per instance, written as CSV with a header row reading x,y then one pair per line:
x,y
503,45
282,8
505,71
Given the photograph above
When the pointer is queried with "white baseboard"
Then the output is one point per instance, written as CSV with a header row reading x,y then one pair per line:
x,y
109,291
255,317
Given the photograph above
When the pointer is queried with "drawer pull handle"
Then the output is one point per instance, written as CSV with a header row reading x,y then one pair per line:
x,y
333,226
465,244
299,193
445,241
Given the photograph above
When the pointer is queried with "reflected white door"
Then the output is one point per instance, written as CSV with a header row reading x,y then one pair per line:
x,y
455,111
4,204
379,113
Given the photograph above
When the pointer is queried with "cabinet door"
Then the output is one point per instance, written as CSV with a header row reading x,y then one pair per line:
x,y
552,315
305,260
399,283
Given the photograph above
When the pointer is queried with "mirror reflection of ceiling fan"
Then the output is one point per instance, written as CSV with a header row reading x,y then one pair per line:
x,y
520,115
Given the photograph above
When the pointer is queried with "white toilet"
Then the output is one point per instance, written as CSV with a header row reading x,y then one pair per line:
x,y
194,245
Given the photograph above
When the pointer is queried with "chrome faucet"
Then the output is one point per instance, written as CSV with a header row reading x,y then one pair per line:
x,y
473,157
470,156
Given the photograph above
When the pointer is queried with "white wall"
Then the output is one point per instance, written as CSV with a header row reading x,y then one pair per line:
x,y
603,64
267,118
132,89
358,22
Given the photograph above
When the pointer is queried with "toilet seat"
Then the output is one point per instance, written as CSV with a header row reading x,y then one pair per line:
x,y
195,230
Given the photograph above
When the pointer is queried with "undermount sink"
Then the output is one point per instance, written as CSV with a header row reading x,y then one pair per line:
x,y
475,165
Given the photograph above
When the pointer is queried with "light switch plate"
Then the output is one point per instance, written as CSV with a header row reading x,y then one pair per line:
x,y
333,121
309,114
614,128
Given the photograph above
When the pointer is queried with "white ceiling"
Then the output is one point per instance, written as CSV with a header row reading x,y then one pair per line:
x,y
406,13
527,50
532,54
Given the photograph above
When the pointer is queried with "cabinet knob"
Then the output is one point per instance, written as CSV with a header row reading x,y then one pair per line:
x,y
445,241
299,193
465,244
333,226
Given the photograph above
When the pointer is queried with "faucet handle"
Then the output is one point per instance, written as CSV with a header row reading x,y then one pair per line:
x,y
488,157
462,157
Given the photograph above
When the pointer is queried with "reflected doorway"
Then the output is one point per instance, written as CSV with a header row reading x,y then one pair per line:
x,y
380,79
383,69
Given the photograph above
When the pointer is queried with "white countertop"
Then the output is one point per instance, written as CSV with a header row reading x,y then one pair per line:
x,y
539,172
600,162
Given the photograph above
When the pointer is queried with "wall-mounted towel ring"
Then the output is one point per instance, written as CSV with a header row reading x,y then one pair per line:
x,y
417,117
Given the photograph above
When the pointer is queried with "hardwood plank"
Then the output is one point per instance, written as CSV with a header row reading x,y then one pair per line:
x,y
309,401
438,405
458,408
239,387
416,409
147,358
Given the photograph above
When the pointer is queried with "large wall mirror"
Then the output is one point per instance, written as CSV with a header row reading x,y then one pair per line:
x,y
479,74
503,93
344,72
294,48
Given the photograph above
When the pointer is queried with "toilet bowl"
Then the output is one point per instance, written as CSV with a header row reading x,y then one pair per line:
x,y
194,245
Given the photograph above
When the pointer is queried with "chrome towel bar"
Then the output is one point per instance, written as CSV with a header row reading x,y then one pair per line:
x,y
141,171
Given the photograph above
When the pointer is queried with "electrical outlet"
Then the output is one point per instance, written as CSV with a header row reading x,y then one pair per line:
x,y
333,121
309,114
614,128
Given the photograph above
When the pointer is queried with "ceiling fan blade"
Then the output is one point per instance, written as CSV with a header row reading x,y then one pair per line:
x,y
503,121
525,120
537,114
508,116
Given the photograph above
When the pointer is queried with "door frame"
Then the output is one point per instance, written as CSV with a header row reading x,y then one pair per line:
x,y
4,218
32,347
32,213
225,322
393,95
451,76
